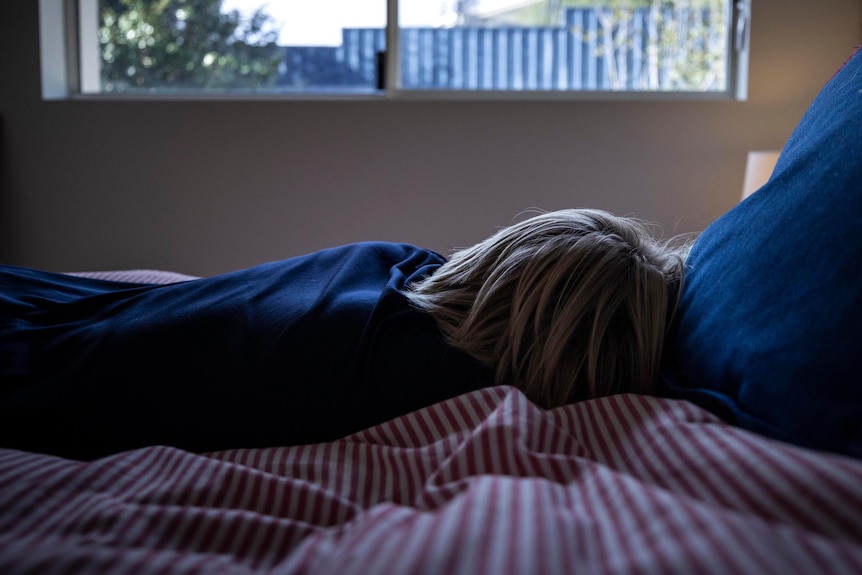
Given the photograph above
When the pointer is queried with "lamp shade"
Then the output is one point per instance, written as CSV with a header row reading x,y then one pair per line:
x,y
758,169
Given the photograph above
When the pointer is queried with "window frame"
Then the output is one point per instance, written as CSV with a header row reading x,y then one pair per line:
x,y
66,76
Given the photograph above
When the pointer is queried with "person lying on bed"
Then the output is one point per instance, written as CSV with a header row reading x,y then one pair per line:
x,y
565,305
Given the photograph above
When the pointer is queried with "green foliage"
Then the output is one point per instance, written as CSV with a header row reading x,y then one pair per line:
x,y
185,44
685,50
688,41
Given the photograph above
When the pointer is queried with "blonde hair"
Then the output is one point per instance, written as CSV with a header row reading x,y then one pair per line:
x,y
566,305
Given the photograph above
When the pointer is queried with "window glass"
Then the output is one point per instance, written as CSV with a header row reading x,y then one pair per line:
x,y
340,46
230,45
609,45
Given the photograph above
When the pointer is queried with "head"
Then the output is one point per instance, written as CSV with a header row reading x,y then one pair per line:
x,y
565,305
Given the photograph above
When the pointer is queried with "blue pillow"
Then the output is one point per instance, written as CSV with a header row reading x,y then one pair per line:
x,y
769,329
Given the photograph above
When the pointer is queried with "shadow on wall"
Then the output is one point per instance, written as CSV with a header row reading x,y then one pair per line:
x,y
6,235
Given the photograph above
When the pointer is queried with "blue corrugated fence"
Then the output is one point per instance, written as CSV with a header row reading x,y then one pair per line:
x,y
581,55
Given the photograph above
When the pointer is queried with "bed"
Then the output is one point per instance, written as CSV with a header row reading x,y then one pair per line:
x,y
751,464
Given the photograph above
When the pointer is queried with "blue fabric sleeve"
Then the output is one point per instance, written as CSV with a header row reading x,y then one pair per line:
x,y
302,350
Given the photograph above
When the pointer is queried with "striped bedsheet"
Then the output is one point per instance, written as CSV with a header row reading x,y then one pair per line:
x,y
144,276
484,483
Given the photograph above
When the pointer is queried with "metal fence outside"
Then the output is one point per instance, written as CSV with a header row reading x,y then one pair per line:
x,y
640,52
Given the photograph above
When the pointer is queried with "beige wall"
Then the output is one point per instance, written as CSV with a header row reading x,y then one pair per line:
x,y
212,186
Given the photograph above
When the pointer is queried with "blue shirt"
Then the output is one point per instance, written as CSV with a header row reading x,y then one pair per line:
x,y
303,350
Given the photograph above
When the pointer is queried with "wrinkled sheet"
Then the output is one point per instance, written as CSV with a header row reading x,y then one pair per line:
x,y
484,483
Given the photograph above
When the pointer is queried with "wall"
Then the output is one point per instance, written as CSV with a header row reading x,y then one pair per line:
x,y
205,187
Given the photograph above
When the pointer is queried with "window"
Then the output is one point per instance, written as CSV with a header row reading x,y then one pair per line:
x,y
438,49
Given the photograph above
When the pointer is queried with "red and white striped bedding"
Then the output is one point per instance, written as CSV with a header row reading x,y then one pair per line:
x,y
144,276
483,483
